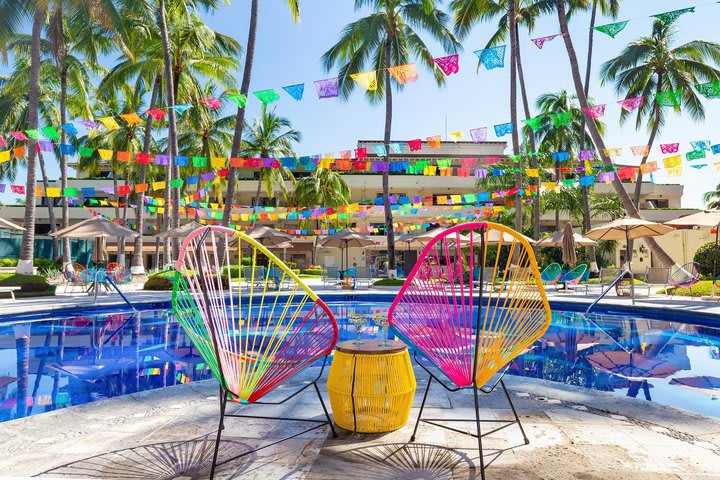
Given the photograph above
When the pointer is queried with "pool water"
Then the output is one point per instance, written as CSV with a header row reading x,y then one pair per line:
x,y
55,362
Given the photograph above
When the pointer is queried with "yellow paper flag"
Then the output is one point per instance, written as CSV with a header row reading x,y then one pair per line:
x,y
455,136
52,192
131,118
672,162
5,156
158,185
105,154
367,80
674,172
109,123
217,162
532,172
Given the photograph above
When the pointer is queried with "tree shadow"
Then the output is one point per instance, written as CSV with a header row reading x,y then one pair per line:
x,y
399,461
189,459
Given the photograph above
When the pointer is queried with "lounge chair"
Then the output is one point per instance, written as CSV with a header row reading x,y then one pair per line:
x,y
572,279
655,277
250,352
72,272
439,320
118,274
363,275
330,276
10,290
551,274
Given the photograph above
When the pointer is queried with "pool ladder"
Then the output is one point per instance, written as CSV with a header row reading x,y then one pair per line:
x,y
612,285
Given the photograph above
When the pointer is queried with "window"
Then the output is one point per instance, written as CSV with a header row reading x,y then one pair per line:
x,y
264,202
658,202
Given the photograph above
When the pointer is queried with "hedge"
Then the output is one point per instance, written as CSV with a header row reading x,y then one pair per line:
x,y
705,256
30,285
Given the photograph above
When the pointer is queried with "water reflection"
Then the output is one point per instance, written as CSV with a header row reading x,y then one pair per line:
x,y
55,363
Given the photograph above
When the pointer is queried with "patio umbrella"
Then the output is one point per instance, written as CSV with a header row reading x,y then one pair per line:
x,y
494,236
569,255
93,228
180,232
430,234
625,229
99,251
345,239
706,385
411,240
268,236
632,365
706,218
8,225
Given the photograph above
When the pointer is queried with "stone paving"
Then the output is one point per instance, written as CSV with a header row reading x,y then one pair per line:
x,y
575,433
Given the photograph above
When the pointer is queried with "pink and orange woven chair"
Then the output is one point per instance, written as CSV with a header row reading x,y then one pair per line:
x,y
463,335
255,340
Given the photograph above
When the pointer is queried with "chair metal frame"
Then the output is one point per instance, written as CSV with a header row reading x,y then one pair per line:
x,y
226,394
474,385
687,284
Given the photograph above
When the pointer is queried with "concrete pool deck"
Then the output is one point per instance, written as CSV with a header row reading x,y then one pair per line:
x,y
168,433
686,307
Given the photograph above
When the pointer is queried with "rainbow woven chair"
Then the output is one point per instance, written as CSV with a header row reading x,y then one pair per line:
x,y
685,276
552,273
118,273
459,329
74,277
255,340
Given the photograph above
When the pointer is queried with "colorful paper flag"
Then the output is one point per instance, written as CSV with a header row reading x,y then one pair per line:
x,y
109,123
478,135
455,136
670,17
50,132
404,73
156,113
699,145
540,41
295,91
267,96
367,80
562,118
448,65
666,148
596,111
672,162
503,129
641,151
648,167
493,57
327,88
671,98
131,118
612,29
630,104
213,103
434,141
709,90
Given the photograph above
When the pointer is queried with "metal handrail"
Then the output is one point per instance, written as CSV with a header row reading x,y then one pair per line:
x,y
610,287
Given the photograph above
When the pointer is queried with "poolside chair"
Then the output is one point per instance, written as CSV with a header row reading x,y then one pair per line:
x,y
463,335
252,341
574,276
684,277
330,276
72,272
363,275
118,273
253,276
552,274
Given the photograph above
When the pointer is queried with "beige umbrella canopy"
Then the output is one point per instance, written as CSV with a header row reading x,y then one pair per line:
x,y
494,236
346,238
430,234
180,232
8,225
269,236
94,227
626,229
556,240
411,240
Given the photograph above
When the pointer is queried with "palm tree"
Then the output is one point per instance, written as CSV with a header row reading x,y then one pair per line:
x,y
294,6
650,65
628,204
388,36
271,136
510,14
712,198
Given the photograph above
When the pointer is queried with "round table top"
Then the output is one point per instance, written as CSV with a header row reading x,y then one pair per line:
x,y
370,347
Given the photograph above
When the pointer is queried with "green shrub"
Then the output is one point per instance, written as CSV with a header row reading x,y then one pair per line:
x,y
8,262
703,288
705,256
235,271
30,285
389,282
296,271
316,271
158,282
246,262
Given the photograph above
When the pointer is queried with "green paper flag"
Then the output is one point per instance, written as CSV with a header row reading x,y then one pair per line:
x,y
267,96
240,100
670,17
199,162
444,163
86,151
534,123
561,119
570,182
709,90
514,158
612,29
695,154
70,192
50,132
33,133
671,98
176,183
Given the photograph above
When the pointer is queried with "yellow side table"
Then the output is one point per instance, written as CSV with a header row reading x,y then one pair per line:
x,y
371,388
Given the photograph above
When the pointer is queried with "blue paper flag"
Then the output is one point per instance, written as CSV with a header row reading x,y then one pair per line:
x,y
69,128
295,91
88,191
181,161
503,129
587,180
493,57
716,149
182,108
66,149
560,156
380,150
700,145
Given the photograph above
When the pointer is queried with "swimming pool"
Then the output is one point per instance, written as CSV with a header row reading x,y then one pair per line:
x,y
49,362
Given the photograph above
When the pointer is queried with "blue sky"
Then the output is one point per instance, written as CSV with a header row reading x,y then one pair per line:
x,y
288,53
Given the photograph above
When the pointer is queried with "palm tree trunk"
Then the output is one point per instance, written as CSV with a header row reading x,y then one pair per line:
x,y
121,240
651,140
513,113
173,206
27,250
49,204
138,259
64,162
531,137
627,202
240,117
115,188
389,230
585,191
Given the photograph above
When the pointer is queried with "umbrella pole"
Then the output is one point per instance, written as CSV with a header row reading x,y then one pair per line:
x,y
629,266
714,274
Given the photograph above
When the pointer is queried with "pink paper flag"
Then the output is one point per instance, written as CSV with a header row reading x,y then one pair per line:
x,y
213,103
539,42
595,111
641,151
448,65
631,104
18,135
669,147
